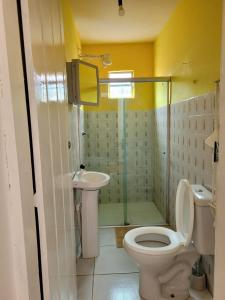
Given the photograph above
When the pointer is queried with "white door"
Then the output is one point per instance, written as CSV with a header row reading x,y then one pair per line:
x,y
19,273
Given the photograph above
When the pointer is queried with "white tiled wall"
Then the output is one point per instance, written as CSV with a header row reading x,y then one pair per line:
x,y
192,121
139,129
135,143
114,142
160,159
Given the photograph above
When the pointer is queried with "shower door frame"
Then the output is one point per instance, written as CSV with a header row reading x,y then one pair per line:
x,y
169,89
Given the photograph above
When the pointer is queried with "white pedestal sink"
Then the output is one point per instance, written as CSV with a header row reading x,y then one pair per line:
x,y
90,183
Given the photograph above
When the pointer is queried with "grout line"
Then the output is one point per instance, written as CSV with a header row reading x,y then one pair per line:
x,y
105,274
84,275
94,266
92,289
111,245
93,281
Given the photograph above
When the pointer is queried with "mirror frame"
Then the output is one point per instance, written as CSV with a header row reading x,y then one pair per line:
x,y
73,82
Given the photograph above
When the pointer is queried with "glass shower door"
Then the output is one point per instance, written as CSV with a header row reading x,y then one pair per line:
x,y
127,139
146,153
102,153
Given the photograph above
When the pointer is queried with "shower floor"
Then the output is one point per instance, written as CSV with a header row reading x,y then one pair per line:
x,y
139,213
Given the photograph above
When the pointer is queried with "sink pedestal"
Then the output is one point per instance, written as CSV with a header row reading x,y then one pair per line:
x,y
90,243
89,183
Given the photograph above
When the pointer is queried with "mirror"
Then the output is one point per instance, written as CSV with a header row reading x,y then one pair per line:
x,y
83,83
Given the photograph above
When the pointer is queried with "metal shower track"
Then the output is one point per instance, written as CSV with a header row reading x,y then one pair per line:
x,y
134,79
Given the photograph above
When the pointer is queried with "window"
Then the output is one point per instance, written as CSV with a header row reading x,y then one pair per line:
x,y
122,90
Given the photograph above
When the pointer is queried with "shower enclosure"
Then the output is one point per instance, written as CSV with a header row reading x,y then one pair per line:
x,y
127,138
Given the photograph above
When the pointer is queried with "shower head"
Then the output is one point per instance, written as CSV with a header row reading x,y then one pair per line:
x,y
105,58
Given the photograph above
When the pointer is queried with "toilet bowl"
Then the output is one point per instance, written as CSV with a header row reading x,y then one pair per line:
x,y
165,257
165,264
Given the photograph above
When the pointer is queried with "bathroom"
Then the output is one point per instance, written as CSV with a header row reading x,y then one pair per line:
x,y
157,121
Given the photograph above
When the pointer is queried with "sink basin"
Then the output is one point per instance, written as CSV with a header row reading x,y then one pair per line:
x,y
90,183
89,180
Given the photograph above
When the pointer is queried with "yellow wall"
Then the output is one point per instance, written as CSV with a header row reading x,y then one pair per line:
x,y
71,35
138,57
188,49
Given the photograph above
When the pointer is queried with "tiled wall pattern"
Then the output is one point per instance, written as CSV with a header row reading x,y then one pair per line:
x,y
160,159
192,121
144,141
139,129
101,151
74,138
121,145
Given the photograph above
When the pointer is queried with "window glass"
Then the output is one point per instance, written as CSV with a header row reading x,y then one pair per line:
x,y
122,90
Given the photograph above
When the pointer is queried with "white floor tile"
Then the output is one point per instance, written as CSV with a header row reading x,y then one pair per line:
x,y
85,266
139,213
116,287
144,213
107,236
110,214
114,260
85,284
67,286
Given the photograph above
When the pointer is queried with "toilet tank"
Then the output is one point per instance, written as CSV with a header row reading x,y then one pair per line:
x,y
204,231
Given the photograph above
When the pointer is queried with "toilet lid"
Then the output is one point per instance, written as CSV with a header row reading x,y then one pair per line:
x,y
184,211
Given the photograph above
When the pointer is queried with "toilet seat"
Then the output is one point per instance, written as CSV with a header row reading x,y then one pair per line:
x,y
175,241
185,211
184,223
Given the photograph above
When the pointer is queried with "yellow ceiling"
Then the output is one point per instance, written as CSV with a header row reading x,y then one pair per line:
x,y
98,20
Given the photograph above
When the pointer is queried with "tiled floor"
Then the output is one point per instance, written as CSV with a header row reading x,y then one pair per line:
x,y
139,213
113,275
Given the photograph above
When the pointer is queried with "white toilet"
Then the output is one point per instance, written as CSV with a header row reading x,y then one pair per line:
x,y
165,257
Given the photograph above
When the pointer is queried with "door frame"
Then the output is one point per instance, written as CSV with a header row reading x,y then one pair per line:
x,y
19,275
219,287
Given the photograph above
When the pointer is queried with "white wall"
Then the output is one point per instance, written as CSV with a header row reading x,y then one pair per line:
x,y
219,287
18,251
45,56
